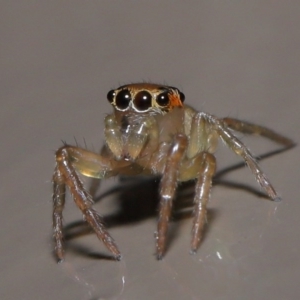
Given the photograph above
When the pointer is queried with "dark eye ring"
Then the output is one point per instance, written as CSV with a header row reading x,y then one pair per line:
x,y
142,101
163,99
123,99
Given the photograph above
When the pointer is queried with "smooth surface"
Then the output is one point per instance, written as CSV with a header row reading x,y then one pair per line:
x,y
230,58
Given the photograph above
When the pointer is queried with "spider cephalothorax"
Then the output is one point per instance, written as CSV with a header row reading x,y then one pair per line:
x,y
151,131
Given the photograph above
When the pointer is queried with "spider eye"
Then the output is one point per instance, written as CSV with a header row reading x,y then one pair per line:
x,y
182,96
142,100
110,96
123,99
163,99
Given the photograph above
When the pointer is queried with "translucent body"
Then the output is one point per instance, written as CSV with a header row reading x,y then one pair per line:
x,y
151,131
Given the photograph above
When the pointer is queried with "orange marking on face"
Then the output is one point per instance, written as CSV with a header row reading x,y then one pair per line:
x,y
174,101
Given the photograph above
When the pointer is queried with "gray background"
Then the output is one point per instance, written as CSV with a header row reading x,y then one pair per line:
x,y
230,58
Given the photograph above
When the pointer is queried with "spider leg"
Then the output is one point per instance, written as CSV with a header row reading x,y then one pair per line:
x,y
59,190
250,128
168,186
202,194
69,160
240,149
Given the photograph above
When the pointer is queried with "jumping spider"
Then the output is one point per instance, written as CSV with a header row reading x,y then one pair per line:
x,y
151,131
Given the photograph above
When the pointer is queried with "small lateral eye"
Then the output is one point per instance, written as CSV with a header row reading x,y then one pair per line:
x,y
110,96
163,99
142,100
182,96
123,99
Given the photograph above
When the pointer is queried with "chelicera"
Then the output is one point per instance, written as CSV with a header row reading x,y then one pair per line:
x,y
151,131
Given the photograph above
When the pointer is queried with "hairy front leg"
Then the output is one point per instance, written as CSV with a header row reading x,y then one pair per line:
x,y
168,186
68,161
202,194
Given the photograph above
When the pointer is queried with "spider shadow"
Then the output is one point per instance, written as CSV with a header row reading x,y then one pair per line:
x,y
138,198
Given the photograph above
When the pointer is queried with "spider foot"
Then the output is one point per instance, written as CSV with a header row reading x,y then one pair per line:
x,y
193,251
159,256
118,257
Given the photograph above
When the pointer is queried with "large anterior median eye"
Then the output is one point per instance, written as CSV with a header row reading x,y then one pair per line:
x,y
142,100
123,99
163,99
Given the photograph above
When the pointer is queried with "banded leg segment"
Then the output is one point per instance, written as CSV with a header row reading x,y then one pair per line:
x,y
202,195
168,186
65,175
